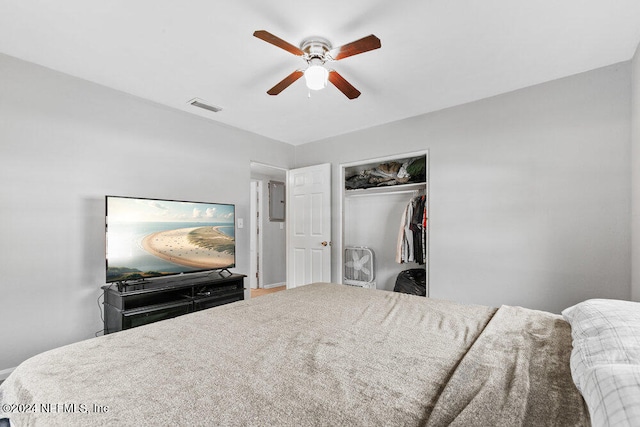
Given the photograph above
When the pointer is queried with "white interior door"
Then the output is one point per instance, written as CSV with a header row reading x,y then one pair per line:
x,y
309,225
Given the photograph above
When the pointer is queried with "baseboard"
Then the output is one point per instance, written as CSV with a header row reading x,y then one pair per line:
x,y
4,374
274,285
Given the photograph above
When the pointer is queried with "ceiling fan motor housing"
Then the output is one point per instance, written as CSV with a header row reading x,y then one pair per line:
x,y
315,48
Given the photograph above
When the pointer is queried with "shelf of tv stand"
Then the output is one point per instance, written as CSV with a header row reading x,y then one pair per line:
x,y
157,299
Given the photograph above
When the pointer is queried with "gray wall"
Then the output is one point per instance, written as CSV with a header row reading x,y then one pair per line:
x,y
529,191
635,176
64,144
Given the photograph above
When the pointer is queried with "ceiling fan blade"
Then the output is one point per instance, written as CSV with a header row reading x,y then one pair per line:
x,y
277,41
343,86
285,83
365,44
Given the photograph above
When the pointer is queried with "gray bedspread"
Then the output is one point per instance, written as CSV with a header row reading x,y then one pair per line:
x,y
322,354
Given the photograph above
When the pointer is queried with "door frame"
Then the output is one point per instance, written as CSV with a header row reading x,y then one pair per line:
x,y
255,237
260,220
341,204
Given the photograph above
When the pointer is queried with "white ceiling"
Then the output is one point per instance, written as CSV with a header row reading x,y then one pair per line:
x,y
435,53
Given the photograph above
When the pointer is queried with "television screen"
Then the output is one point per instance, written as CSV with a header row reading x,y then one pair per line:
x,y
150,237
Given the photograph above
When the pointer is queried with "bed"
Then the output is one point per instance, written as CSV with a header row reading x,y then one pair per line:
x,y
322,354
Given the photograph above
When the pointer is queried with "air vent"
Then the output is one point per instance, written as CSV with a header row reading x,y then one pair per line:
x,y
197,102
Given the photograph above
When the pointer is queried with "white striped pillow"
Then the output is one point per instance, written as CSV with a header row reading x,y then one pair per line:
x,y
605,360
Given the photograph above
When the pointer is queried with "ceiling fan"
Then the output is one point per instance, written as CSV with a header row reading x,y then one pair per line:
x,y
316,51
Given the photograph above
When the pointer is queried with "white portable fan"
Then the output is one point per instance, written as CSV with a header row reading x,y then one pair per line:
x,y
359,267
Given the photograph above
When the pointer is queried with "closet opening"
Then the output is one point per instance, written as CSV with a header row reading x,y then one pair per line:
x,y
384,227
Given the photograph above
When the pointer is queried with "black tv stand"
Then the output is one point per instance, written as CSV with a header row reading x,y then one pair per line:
x,y
148,301
219,273
123,284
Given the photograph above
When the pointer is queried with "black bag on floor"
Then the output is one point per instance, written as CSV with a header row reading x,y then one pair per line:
x,y
413,281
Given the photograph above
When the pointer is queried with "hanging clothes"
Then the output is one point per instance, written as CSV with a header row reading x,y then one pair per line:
x,y
400,246
412,237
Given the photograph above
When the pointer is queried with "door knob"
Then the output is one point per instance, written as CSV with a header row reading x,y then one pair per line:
x,y
325,243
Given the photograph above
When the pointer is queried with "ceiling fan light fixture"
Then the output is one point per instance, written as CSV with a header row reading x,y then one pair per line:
x,y
316,77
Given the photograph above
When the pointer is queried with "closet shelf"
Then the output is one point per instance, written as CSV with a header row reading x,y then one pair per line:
x,y
390,189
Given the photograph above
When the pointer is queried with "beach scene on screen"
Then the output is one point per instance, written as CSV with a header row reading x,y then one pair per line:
x,y
148,238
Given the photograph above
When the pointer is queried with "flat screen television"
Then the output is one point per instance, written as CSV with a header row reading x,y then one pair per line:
x,y
150,237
